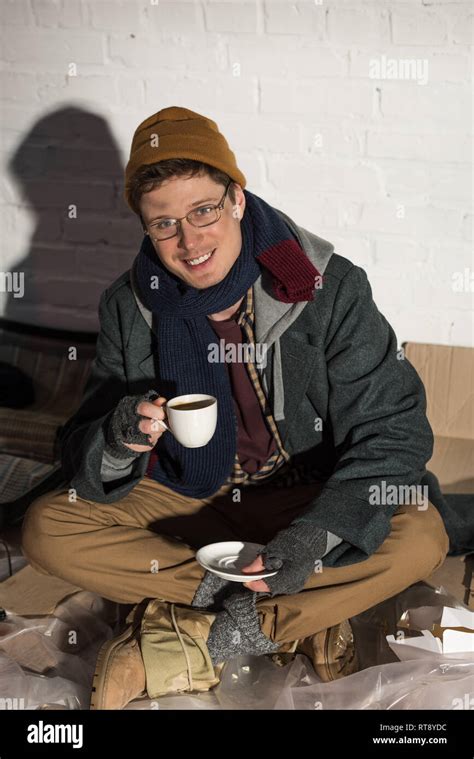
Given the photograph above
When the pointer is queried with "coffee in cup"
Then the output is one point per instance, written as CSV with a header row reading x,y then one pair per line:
x,y
192,405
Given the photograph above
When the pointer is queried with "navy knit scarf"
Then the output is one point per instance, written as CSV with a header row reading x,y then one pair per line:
x,y
184,335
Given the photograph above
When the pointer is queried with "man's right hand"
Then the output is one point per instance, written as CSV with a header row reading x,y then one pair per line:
x,y
127,428
150,426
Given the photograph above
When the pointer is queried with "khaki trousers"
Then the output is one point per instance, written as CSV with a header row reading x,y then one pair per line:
x,y
144,546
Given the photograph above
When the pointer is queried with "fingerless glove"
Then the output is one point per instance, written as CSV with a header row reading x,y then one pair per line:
x,y
293,552
123,426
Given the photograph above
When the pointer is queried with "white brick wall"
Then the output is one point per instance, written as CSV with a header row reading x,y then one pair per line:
x,y
376,162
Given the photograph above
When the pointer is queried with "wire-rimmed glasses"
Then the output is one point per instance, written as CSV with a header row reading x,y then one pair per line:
x,y
204,216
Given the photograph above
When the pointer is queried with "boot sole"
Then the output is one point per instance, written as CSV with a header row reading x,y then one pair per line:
x,y
331,667
327,669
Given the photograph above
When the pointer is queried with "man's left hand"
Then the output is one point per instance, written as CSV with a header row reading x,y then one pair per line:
x,y
292,553
260,586
290,577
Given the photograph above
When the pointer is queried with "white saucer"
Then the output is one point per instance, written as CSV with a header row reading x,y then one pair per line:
x,y
227,559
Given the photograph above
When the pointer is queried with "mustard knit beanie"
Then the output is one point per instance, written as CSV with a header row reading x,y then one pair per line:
x,y
179,133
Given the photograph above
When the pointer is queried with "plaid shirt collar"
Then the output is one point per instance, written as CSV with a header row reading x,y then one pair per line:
x,y
246,309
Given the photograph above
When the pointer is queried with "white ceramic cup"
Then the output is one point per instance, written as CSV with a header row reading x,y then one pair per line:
x,y
193,428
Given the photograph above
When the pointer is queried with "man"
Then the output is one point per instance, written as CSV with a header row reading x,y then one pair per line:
x,y
309,438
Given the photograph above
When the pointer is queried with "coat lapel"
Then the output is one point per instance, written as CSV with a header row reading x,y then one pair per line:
x,y
299,359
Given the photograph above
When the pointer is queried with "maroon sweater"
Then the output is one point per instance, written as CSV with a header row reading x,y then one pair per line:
x,y
255,442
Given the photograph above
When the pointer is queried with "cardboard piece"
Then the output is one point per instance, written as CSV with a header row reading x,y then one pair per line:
x,y
453,463
456,576
447,373
29,593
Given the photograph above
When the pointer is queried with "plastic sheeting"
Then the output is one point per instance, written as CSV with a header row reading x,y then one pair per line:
x,y
49,662
51,659
257,684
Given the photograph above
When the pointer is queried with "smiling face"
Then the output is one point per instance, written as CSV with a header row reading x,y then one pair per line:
x,y
178,196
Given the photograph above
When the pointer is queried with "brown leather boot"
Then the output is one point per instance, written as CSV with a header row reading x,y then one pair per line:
x,y
120,674
120,670
332,652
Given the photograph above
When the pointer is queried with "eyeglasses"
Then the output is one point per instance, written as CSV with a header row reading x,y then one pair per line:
x,y
203,216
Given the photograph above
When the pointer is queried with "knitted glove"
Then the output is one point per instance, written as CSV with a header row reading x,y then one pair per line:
x,y
123,426
293,551
236,630
212,590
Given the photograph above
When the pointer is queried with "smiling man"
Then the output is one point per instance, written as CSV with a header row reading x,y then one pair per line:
x,y
302,441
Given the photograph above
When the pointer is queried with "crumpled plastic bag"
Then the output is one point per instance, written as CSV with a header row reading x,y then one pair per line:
x,y
51,659
25,690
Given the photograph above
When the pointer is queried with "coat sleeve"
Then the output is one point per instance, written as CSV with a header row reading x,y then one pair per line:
x,y
82,439
377,413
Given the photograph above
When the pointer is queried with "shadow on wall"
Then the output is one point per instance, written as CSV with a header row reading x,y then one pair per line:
x,y
70,176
